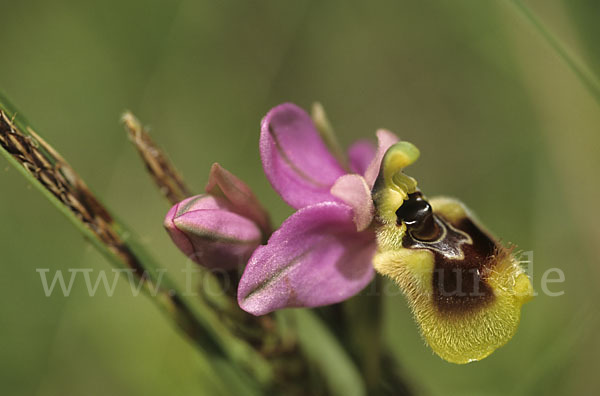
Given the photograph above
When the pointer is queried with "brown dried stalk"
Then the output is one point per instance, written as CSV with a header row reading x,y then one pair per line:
x,y
58,180
56,175
160,168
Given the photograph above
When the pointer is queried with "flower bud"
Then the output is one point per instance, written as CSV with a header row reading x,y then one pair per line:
x,y
206,230
241,199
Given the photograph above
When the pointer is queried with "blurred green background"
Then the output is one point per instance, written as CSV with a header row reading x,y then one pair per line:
x,y
500,119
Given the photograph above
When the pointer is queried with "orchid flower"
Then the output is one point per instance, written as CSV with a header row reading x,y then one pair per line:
x,y
355,214
322,254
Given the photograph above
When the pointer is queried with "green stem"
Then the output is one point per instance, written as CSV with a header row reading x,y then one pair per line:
x,y
577,66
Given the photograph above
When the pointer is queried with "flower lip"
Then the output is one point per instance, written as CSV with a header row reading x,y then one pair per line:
x,y
465,289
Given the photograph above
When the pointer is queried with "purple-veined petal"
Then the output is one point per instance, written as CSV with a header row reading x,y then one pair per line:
x,y
295,158
385,139
223,183
206,231
354,191
361,153
316,258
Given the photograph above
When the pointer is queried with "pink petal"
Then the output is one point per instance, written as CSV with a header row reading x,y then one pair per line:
x,y
223,183
316,258
295,158
354,191
206,231
385,140
361,153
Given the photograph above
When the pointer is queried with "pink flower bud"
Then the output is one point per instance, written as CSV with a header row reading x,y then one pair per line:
x,y
208,231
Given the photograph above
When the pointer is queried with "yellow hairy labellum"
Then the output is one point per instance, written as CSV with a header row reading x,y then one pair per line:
x,y
464,288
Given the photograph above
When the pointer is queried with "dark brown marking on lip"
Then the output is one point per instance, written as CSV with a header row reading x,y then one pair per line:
x,y
463,256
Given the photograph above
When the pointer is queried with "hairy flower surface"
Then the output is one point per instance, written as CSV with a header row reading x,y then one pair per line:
x,y
465,289
322,254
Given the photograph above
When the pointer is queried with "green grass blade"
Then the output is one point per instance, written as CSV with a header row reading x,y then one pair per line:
x,y
47,171
581,70
324,351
